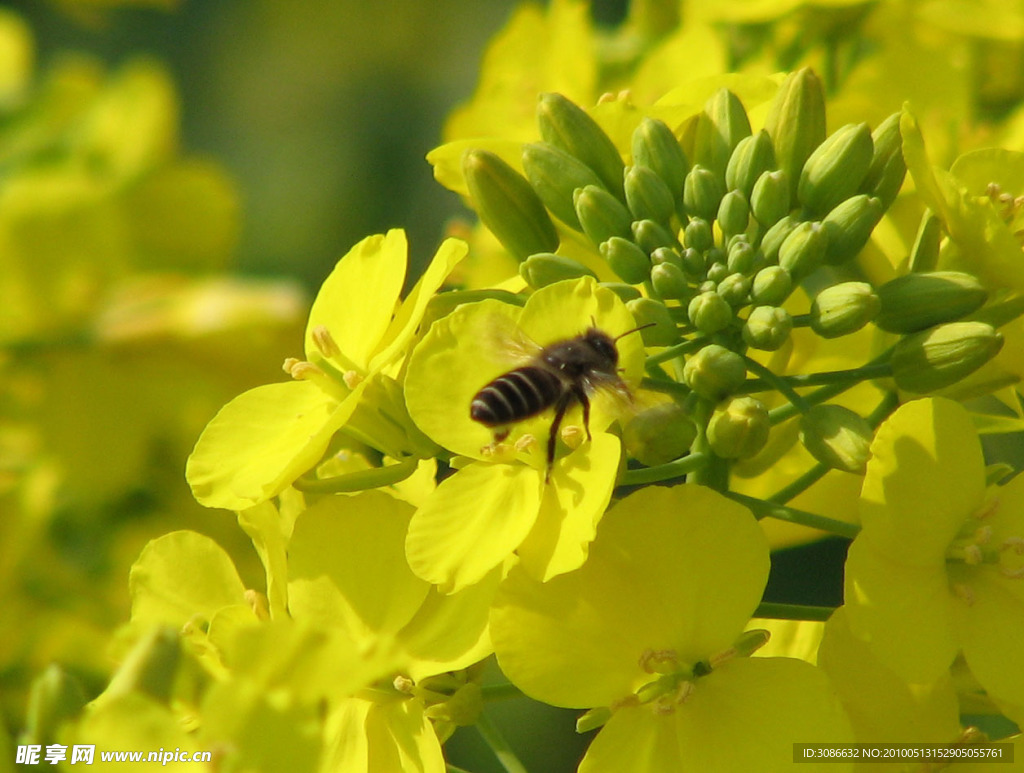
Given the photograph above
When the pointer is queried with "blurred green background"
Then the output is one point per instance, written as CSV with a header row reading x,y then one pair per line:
x,y
323,116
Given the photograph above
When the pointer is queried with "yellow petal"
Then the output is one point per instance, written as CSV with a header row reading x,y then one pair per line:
x,y
472,523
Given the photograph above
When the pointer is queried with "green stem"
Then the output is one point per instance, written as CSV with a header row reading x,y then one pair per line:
x,y
675,351
880,363
673,388
762,509
358,481
668,471
500,692
490,733
844,378
780,384
775,611
798,486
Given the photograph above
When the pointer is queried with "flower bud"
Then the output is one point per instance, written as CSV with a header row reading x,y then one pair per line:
x,y
508,205
650,235
567,126
718,270
849,227
720,127
775,236
546,268
739,427
837,437
843,309
796,123
924,255
693,263
735,288
752,157
698,234
655,147
771,286
702,193
741,257
769,200
667,255
601,215
767,328
714,372
913,302
709,312
554,175
733,213
942,355
803,250
626,259
885,175
54,698
670,282
659,434
646,311
647,195
835,170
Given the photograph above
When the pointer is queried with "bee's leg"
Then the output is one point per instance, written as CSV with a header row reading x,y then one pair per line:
x,y
560,408
581,395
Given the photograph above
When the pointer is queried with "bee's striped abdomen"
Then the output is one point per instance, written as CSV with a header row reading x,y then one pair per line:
x,y
515,395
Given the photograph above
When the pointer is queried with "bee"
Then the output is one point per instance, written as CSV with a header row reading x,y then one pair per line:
x,y
559,375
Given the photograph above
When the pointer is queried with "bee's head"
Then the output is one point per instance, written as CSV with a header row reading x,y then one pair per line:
x,y
603,346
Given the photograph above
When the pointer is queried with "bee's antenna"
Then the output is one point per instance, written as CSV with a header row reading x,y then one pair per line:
x,y
635,330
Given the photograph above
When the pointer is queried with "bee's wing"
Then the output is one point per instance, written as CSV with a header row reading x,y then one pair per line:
x,y
616,390
509,344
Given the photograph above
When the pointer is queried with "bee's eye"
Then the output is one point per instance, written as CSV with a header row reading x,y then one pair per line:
x,y
605,348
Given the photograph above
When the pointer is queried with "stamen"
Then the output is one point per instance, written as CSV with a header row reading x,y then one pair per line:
x,y
983,535
352,378
300,370
526,443
258,602
325,342
987,509
972,555
497,451
1016,544
659,661
964,593
404,684
572,436
684,691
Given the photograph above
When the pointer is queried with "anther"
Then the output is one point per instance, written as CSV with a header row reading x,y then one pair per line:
x,y
659,661
526,443
352,378
972,555
964,593
403,684
300,370
325,342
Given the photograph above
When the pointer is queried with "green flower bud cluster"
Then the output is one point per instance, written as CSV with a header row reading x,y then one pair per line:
x,y
718,235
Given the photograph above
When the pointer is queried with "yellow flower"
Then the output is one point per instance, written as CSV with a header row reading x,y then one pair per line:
x,y
937,567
